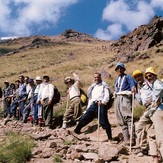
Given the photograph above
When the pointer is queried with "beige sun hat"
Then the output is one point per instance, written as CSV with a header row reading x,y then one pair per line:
x,y
6,81
67,79
38,78
150,70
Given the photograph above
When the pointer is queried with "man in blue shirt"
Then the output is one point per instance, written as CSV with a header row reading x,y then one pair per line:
x,y
20,101
124,86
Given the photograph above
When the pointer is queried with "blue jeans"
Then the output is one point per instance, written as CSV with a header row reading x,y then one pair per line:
x,y
35,108
15,104
91,113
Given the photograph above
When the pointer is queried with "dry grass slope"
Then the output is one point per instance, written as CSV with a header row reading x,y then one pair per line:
x,y
60,60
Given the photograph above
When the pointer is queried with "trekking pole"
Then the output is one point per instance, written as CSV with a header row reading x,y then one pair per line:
x,y
98,125
67,103
132,120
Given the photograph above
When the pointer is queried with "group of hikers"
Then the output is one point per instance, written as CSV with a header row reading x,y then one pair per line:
x,y
35,99
31,98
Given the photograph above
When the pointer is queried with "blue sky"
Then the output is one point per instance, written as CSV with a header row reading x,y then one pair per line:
x,y
104,19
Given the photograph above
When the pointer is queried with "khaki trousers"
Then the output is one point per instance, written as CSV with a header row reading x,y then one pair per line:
x,y
146,135
74,110
158,125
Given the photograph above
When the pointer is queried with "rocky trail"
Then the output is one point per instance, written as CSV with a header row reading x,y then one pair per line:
x,y
72,148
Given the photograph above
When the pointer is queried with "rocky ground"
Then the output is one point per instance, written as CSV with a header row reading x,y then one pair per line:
x,y
72,148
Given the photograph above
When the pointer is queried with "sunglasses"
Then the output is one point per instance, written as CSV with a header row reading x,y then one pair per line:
x,y
68,82
148,76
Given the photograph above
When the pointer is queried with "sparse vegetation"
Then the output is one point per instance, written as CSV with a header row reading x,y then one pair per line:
x,y
66,142
138,111
16,148
57,159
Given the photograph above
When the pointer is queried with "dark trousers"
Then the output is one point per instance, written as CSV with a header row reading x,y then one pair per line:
x,y
47,113
91,113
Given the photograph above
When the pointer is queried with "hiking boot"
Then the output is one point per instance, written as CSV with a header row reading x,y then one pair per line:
x,y
76,131
25,121
35,122
140,152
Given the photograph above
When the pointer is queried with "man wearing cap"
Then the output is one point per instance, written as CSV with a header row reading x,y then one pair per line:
x,y
45,97
74,109
144,126
37,107
124,86
156,111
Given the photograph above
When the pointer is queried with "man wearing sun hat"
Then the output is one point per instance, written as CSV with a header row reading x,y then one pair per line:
x,y
74,107
144,128
124,86
156,111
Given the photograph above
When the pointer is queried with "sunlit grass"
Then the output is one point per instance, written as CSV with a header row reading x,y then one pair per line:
x,y
16,148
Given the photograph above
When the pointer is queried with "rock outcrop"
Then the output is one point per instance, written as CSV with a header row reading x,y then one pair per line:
x,y
140,39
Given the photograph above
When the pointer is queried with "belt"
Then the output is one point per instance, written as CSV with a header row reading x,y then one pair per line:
x,y
74,97
95,102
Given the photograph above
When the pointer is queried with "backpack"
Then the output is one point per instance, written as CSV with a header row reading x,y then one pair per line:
x,y
83,97
111,100
57,96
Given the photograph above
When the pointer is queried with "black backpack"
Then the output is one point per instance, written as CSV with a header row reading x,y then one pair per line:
x,y
111,100
57,96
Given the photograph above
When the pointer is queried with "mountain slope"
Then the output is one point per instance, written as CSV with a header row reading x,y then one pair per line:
x,y
71,51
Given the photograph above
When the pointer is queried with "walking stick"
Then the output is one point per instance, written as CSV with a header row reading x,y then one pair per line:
x,y
132,120
67,103
98,125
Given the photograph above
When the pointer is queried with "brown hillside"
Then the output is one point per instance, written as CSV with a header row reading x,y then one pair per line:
x,y
72,51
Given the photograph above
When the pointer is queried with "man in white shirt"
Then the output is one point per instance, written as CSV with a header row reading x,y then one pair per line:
x,y
98,94
74,109
45,97
37,107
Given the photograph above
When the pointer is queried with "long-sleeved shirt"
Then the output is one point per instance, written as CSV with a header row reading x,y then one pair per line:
x,y
74,90
144,94
157,88
124,83
7,91
46,91
37,89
